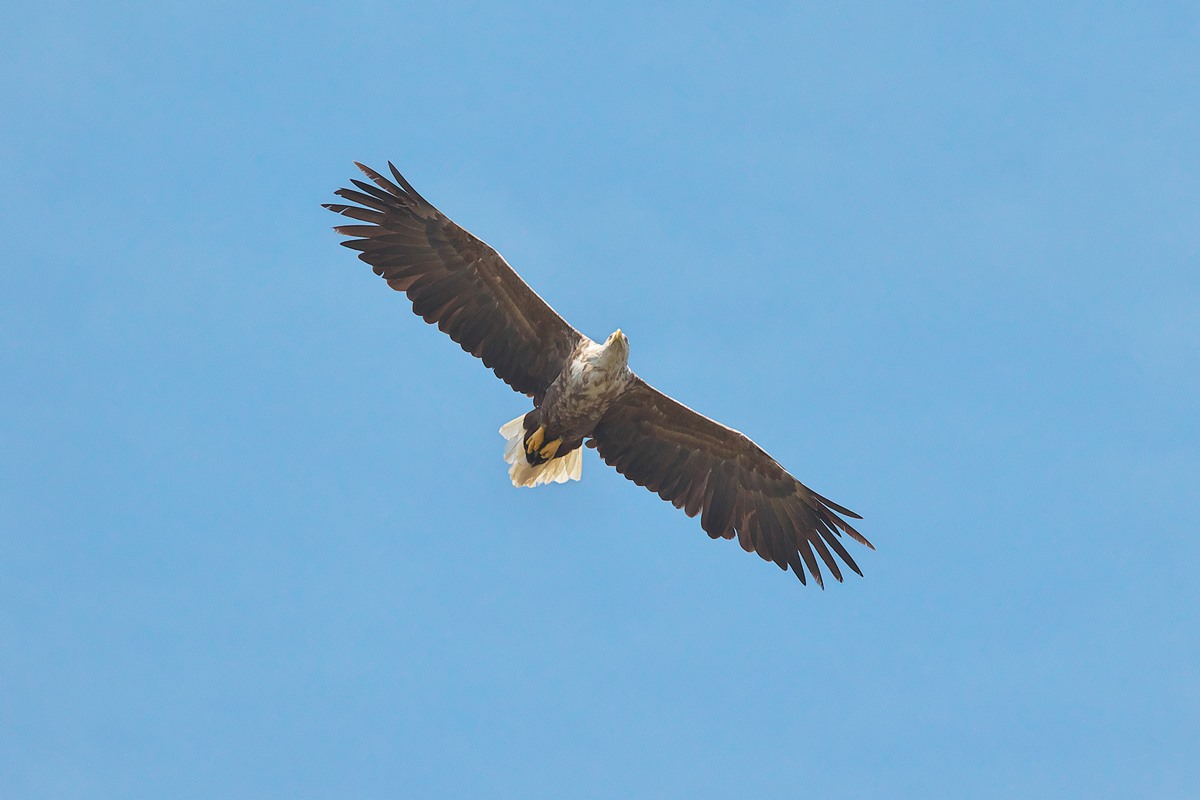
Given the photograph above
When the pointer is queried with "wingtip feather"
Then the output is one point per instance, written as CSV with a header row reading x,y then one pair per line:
x,y
408,187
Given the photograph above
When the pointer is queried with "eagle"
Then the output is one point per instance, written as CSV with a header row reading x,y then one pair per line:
x,y
584,392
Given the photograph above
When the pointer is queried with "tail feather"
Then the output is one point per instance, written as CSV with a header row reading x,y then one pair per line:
x,y
522,473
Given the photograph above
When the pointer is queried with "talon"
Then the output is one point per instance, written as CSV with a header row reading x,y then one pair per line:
x,y
550,449
534,442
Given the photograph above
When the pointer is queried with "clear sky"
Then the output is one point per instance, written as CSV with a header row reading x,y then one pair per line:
x,y
257,536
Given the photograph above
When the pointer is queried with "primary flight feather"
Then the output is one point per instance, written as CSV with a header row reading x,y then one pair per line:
x,y
584,392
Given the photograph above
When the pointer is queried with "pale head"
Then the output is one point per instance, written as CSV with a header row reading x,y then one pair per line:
x,y
616,347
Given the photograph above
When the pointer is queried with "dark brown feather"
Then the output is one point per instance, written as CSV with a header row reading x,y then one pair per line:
x,y
703,467
456,281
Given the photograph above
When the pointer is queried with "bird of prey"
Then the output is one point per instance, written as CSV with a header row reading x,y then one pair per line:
x,y
584,392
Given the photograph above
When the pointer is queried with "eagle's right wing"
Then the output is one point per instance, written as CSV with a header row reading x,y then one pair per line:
x,y
706,468
456,281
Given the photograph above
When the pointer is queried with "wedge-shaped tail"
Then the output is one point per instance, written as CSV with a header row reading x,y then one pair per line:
x,y
557,470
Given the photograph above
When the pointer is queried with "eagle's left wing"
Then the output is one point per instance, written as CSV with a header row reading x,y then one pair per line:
x,y
706,468
457,282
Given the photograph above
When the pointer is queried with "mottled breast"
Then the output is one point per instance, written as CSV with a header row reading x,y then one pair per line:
x,y
593,377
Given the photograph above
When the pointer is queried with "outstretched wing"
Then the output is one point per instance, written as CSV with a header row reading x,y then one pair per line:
x,y
456,281
705,468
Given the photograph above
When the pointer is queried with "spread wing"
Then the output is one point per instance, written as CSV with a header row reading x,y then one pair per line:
x,y
456,281
705,468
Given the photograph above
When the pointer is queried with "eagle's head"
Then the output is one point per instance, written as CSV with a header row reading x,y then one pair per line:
x,y
616,347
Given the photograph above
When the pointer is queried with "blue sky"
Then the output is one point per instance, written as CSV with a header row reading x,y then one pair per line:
x,y
942,262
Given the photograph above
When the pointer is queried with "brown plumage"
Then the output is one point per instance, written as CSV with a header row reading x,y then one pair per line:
x,y
457,282
584,391
705,468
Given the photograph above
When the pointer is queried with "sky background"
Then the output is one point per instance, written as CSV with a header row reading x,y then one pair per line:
x,y
256,535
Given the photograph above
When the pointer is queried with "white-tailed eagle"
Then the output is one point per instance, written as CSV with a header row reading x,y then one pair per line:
x,y
584,392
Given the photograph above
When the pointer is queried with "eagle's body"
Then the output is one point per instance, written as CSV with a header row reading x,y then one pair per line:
x,y
584,391
543,445
594,376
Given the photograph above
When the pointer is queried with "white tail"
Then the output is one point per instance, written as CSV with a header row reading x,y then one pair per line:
x,y
556,470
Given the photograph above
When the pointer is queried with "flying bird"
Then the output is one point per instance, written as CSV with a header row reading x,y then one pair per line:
x,y
584,392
